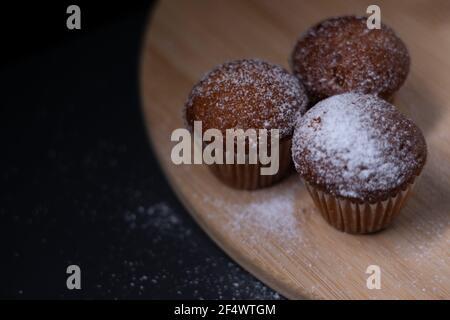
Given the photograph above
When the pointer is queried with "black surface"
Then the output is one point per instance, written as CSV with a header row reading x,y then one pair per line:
x,y
80,184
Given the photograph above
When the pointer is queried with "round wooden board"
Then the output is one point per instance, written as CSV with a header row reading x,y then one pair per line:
x,y
276,233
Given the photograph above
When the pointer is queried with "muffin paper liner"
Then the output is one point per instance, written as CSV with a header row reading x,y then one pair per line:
x,y
248,176
351,217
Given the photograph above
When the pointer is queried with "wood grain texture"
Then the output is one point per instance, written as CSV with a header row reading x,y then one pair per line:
x,y
299,254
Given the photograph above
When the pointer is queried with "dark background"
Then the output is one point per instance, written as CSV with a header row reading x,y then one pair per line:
x,y
79,181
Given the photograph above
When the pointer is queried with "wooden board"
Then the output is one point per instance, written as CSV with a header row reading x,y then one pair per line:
x,y
276,233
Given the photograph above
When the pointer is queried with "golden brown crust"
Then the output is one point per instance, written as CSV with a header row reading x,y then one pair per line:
x,y
341,54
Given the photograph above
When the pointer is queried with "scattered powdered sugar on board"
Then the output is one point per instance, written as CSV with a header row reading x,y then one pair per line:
x,y
257,221
272,216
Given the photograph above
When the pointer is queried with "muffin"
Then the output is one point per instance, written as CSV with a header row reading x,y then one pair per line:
x,y
359,158
341,54
248,94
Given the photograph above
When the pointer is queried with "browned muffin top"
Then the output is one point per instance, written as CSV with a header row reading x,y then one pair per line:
x,y
358,147
247,94
341,54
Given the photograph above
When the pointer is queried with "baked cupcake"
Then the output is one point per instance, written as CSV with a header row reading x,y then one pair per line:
x,y
248,94
359,158
341,55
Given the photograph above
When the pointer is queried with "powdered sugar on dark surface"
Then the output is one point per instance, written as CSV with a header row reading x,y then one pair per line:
x,y
83,187
160,223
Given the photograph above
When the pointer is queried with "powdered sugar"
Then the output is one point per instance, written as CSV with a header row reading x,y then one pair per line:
x,y
356,144
200,274
274,217
341,54
247,94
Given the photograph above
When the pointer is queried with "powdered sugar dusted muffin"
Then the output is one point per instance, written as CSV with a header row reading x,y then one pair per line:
x,y
341,54
248,94
359,158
